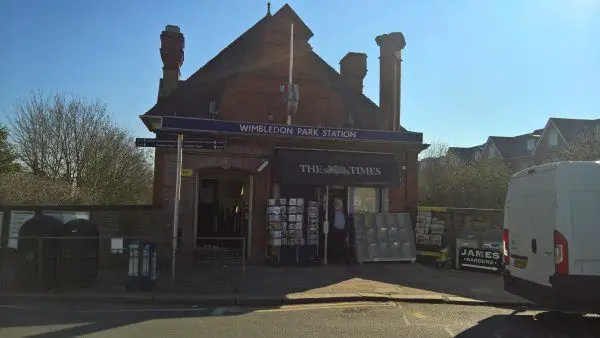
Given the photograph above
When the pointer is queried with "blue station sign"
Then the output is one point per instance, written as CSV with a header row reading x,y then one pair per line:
x,y
162,143
187,124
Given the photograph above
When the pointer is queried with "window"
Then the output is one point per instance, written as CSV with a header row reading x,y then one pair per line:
x,y
530,144
366,199
477,155
552,138
492,152
116,245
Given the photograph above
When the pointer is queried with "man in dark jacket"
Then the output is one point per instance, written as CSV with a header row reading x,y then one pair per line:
x,y
338,232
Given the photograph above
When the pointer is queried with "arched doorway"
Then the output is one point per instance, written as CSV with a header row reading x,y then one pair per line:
x,y
222,211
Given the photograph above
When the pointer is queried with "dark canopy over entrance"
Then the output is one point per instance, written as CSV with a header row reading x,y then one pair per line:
x,y
318,167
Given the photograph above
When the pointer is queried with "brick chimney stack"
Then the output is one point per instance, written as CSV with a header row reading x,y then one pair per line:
x,y
353,67
390,70
172,44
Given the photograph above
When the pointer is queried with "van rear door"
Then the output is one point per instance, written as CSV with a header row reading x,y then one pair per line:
x,y
531,217
578,197
584,247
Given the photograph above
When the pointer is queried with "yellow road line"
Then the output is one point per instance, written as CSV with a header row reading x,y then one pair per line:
x,y
326,306
419,315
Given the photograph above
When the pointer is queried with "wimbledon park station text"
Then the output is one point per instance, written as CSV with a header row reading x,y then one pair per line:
x,y
298,131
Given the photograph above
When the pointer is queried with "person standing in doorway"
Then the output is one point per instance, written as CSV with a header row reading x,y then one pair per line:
x,y
338,238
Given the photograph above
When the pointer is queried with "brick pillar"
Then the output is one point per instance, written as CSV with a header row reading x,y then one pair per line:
x,y
157,184
397,195
187,207
259,219
412,179
396,199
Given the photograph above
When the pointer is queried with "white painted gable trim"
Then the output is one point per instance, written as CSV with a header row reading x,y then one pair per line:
x,y
490,141
546,128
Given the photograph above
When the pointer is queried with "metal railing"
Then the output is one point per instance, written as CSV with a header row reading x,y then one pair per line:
x,y
225,250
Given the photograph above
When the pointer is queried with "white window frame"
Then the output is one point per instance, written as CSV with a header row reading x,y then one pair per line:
x,y
530,144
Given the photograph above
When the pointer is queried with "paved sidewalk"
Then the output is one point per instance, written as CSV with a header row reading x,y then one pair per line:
x,y
262,285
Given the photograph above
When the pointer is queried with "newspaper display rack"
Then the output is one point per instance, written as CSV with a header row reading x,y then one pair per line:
x,y
381,237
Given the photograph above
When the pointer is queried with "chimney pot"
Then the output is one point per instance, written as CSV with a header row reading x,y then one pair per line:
x,y
172,29
172,44
353,67
390,70
392,41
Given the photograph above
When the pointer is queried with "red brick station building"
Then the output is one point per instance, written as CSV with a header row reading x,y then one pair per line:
x,y
338,137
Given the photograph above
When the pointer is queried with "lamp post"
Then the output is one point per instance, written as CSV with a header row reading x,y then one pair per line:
x,y
176,202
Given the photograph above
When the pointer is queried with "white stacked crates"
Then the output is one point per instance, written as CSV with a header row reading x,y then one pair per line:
x,y
422,227
429,230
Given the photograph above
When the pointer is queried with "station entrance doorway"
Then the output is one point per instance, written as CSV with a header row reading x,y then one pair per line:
x,y
222,213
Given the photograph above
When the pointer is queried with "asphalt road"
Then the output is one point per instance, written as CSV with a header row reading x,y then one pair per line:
x,y
35,319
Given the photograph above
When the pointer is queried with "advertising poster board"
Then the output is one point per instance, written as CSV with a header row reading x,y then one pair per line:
x,y
1,222
487,259
17,218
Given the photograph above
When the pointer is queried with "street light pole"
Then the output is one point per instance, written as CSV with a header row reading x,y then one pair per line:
x,y
176,202
291,69
326,223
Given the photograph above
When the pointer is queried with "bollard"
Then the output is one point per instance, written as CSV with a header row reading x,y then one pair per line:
x,y
148,267
134,262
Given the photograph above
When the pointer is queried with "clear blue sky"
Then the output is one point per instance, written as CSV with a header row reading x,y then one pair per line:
x,y
471,68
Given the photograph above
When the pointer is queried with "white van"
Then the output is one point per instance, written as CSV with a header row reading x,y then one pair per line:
x,y
551,238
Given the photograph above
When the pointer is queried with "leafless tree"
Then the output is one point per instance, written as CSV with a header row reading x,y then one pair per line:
x,y
449,182
585,147
7,156
68,138
23,188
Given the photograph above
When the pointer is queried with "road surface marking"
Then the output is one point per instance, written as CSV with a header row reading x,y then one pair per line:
x,y
140,310
406,320
219,311
449,332
284,308
17,307
316,307
419,315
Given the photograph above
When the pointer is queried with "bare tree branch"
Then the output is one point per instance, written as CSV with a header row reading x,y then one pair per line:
x,y
585,147
447,181
70,139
